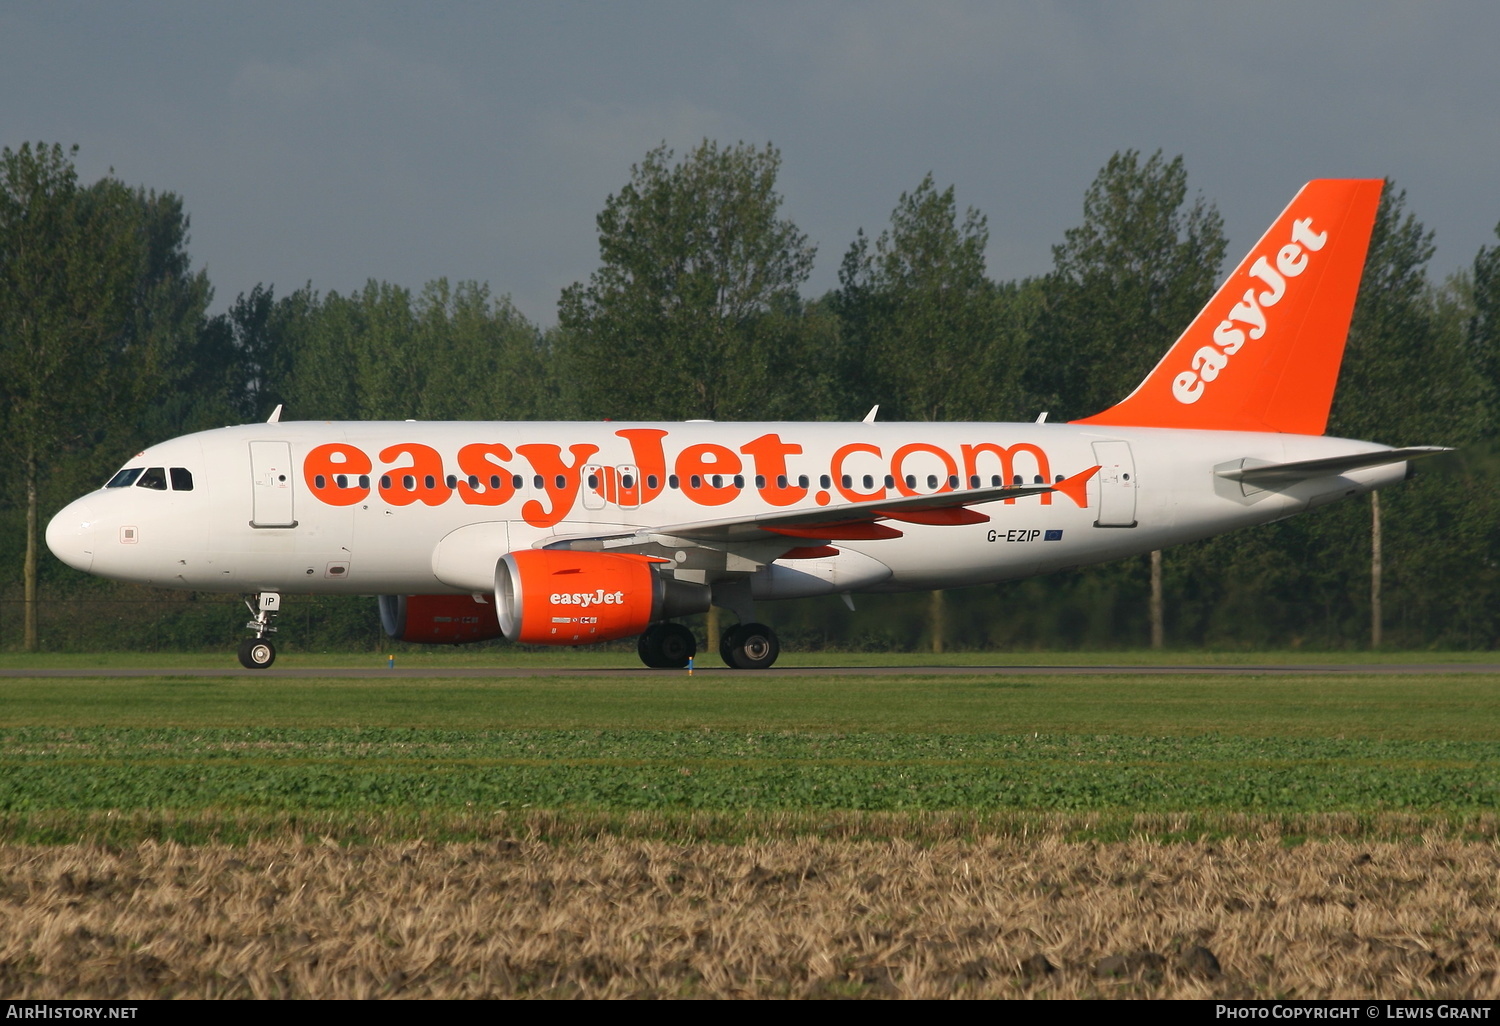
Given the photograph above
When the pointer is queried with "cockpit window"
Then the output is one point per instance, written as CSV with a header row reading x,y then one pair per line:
x,y
125,478
182,479
154,477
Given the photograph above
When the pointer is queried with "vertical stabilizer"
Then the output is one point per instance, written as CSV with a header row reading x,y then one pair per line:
x,y
1264,354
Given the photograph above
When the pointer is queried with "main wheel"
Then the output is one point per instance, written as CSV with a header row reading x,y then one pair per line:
x,y
257,653
649,648
728,640
755,647
676,645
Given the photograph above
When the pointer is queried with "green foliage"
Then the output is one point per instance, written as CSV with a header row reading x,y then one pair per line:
x,y
694,311
924,332
70,257
1124,284
356,770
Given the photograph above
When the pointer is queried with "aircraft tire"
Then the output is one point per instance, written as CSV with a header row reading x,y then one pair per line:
x,y
755,647
728,639
675,645
257,653
649,647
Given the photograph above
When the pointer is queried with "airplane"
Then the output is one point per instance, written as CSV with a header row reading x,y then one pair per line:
x,y
579,533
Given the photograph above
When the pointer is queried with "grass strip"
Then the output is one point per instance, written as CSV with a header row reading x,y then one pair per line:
x,y
283,771
677,826
1418,707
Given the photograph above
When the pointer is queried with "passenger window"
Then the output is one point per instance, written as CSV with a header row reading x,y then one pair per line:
x,y
672,481
651,481
155,477
342,480
825,481
429,482
409,482
364,480
385,481
452,481
868,482
182,479
516,481
320,482
890,482
125,478
802,481
626,481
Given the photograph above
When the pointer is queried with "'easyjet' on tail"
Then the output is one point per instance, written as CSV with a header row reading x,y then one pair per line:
x,y
1264,354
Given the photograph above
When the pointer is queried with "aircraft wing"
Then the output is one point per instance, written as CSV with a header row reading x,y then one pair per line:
x,y
817,525
1264,475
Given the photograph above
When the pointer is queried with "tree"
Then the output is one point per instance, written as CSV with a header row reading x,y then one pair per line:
x,y
1484,324
694,310
165,358
924,332
1124,284
69,259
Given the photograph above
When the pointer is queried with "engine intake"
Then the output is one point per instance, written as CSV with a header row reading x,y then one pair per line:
x,y
560,597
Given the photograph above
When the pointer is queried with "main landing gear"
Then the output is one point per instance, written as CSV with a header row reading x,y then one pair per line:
x,y
257,653
745,646
749,646
667,646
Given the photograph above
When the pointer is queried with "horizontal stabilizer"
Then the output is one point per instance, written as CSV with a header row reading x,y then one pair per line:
x,y
1273,473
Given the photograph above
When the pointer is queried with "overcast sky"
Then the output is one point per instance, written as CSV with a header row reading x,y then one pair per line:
x,y
335,142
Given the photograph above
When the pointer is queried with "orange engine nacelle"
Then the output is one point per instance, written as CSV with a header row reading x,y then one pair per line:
x,y
438,619
559,597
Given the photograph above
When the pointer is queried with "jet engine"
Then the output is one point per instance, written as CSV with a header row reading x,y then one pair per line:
x,y
438,619
561,597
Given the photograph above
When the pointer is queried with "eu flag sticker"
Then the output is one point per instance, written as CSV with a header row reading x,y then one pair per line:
x,y
1052,536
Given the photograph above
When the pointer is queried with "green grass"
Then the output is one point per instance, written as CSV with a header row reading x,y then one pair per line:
x,y
1455,707
566,659
1206,746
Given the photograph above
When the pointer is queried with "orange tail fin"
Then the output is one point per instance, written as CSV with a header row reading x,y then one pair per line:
x,y
1264,354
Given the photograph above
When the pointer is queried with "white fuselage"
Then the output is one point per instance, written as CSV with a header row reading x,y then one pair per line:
x,y
257,518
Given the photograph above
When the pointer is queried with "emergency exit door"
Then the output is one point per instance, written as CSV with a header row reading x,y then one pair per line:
x,y
1116,484
271,484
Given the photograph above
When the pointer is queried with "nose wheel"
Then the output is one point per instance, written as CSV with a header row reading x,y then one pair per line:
x,y
257,653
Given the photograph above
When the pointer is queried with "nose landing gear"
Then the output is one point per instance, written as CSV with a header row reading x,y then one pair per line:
x,y
257,653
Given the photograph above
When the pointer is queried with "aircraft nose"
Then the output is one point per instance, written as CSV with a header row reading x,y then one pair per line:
x,y
70,536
